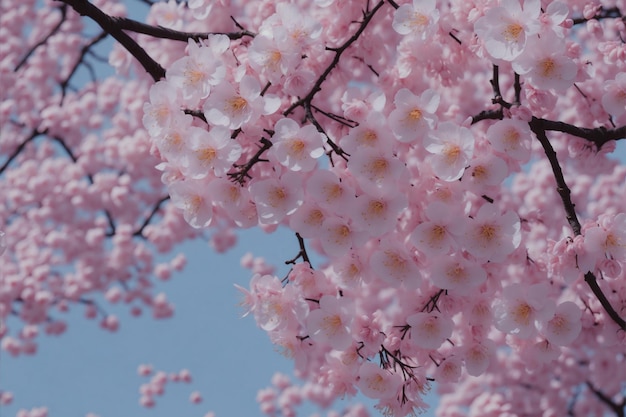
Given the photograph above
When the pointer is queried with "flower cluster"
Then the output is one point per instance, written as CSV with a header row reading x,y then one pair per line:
x,y
416,147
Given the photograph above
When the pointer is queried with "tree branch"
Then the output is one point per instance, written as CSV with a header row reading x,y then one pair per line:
x,y
109,25
537,126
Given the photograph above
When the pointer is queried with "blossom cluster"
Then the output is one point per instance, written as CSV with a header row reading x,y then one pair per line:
x,y
432,262
448,162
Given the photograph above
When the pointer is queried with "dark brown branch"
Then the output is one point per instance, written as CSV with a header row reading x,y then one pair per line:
x,y
243,171
74,159
612,13
599,135
54,30
82,54
301,254
367,17
19,149
109,25
155,210
431,305
175,35
618,409
537,126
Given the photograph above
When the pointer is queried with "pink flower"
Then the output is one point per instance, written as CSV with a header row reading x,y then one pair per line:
x,y
452,147
545,65
375,170
492,236
565,326
377,383
478,357
428,330
193,198
614,100
296,147
449,370
378,214
414,116
457,274
608,239
209,151
195,397
339,235
519,308
308,220
394,265
273,58
418,19
505,28
163,105
231,108
330,323
329,192
372,133
277,198
511,137
435,236
196,73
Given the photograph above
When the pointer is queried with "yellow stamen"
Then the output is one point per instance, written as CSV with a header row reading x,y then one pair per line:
x,y
237,104
548,67
513,31
206,155
522,314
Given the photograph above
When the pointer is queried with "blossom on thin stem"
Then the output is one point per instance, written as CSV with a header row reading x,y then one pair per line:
x,y
234,108
504,29
418,19
209,152
331,322
295,147
545,65
196,73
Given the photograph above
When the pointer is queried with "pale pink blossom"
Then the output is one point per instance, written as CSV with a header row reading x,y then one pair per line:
x,y
504,29
478,357
414,116
565,326
377,383
375,170
394,265
339,235
273,57
208,152
436,235
614,99
159,112
491,235
456,273
545,65
521,307
330,323
511,137
452,147
193,198
296,147
429,330
277,198
196,73
234,108
378,214
418,19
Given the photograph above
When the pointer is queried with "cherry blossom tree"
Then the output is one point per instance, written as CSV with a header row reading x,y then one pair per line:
x,y
450,163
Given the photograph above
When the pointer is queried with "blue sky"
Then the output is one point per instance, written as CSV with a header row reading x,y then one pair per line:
x,y
91,370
